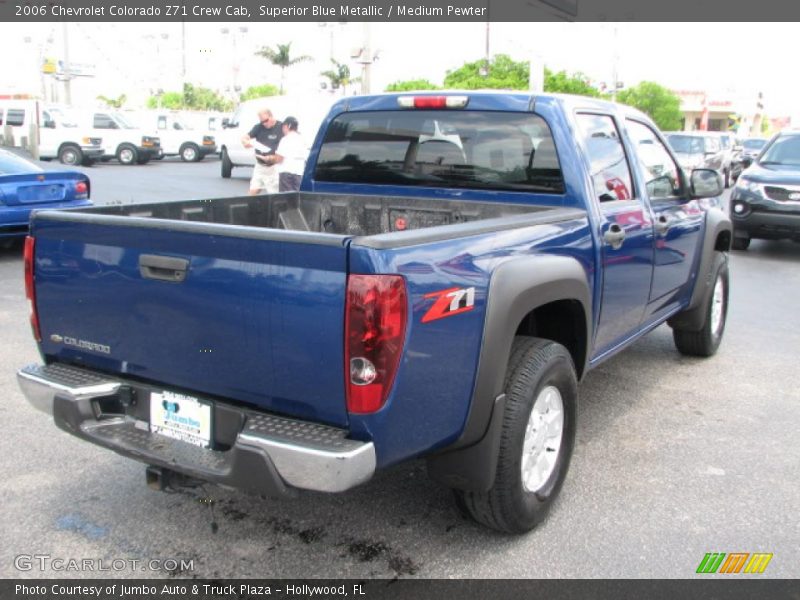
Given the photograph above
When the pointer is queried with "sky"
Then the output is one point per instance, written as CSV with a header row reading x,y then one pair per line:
x,y
728,60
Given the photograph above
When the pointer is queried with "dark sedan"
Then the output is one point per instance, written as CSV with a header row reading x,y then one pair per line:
x,y
765,203
25,186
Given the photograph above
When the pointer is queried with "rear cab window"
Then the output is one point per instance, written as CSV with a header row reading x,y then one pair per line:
x,y
464,149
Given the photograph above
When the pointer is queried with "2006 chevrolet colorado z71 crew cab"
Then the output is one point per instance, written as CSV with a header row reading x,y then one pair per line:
x,y
452,266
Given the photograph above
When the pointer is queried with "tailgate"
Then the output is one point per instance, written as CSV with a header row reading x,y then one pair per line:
x,y
246,318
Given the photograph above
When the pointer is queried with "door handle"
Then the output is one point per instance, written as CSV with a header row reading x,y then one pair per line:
x,y
614,236
163,268
663,224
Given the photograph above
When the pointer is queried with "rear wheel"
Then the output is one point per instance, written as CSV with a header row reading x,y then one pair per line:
x,y
538,434
226,164
70,155
706,340
190,153
127,154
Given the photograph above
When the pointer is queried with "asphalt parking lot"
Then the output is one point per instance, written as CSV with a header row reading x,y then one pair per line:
x,y
675,457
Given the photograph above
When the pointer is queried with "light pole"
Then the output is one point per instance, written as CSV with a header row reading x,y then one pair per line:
x,y
235,33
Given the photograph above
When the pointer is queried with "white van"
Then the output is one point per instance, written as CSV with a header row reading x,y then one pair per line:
x,y
309,110
177,137
59,137
123,139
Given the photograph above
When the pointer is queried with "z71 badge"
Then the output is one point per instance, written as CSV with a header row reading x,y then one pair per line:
x,y
450,302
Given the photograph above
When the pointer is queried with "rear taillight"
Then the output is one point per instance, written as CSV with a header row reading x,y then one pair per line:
x,y
81,189
30,290
375,330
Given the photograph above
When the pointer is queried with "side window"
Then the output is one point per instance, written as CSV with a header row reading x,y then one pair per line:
x,y
15,117
102,121
162,122
662,177
609,168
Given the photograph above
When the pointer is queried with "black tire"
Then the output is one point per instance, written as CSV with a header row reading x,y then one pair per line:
x,y
741,243
70,155
189,152
706,340
727,178
127,154
226,165
535,365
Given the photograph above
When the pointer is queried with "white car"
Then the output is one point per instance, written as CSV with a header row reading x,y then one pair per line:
x,y
59,136
309,110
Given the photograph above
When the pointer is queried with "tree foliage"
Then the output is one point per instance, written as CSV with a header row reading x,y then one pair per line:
x,y
117,102
281,57
658,102
565,83
501,72
411,85
193,97
259,91
339,76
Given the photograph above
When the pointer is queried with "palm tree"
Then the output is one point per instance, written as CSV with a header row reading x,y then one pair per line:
x,y
340,76
117,102
279,56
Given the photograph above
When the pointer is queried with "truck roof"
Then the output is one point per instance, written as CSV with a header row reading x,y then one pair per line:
x,y
508,100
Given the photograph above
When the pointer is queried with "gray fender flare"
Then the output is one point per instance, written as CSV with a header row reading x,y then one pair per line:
x,y
517,287
693,317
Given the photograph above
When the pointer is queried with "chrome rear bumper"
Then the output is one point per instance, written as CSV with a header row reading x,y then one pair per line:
x,y
269,454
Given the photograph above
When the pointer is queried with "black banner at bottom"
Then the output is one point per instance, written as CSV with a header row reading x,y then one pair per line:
x,y
418,589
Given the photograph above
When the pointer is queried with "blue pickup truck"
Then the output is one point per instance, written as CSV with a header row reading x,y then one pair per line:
x,y
452,266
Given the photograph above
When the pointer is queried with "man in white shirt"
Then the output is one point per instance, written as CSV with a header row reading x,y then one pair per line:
x,y
290,157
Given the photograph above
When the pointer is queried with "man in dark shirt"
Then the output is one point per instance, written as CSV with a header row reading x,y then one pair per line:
x,y
264,137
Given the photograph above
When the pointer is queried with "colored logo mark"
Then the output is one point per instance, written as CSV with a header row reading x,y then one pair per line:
x,y
735,562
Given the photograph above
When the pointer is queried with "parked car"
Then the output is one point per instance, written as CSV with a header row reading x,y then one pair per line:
x,y
124,140
59,137
453,265
309,111
765,204
751,147
700,150
177,137
733,158
25,186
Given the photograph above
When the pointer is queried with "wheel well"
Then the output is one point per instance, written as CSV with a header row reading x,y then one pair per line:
x,y
562,321
65,144
723,242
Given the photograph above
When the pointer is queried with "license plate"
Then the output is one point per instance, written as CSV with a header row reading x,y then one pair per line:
x,y
180,417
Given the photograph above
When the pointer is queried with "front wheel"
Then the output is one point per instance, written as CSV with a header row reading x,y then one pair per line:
x,y
190,153
538,434
127,155
741,243
706,340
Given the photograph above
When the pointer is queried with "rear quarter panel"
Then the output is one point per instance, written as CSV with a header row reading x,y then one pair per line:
x,y
430,401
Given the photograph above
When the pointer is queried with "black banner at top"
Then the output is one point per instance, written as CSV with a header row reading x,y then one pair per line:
x,y
396,10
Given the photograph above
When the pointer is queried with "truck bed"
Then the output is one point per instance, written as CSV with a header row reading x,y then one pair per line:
x,y
334,214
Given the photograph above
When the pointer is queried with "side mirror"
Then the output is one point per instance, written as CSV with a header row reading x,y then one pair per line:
x,y
49,124
705,183
226,122
747,161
